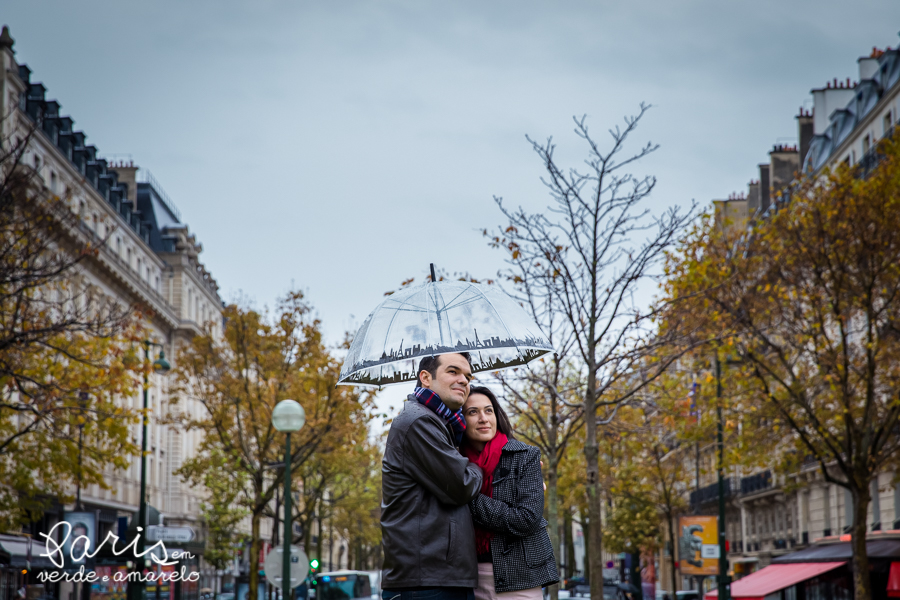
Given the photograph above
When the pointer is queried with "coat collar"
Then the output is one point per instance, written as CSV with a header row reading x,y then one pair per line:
x,y
515,446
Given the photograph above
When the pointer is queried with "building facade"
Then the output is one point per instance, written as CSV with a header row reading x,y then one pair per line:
x,y
150,258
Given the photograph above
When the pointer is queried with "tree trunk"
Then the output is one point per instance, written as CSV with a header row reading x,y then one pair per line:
x,y
586,529
319,535
672,544
254,556
862,584
570,545
594,558
553,510
307,532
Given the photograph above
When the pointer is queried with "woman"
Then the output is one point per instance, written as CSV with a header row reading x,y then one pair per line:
x,y
515,556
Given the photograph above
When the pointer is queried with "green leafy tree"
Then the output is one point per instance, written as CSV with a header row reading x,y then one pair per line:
x,y
221,511
357,493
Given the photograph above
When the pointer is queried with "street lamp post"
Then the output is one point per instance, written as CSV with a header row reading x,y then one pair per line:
x,y
84,593
82,404
723,586
287,416
160,366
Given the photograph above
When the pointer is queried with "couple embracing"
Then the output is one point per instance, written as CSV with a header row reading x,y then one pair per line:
x,y
463,501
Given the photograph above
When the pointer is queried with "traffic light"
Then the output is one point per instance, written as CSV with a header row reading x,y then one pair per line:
x,y
313,569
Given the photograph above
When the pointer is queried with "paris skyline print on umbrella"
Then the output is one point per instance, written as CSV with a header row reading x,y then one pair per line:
x,y
441,318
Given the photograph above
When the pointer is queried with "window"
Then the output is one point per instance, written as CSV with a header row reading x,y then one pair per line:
x,y
888,123
53,182
866,144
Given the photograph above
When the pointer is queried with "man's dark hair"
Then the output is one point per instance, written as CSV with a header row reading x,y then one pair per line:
x,y
80,525
431,364
503,424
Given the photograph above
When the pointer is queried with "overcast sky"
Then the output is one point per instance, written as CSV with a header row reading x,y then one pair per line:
x,y
341,146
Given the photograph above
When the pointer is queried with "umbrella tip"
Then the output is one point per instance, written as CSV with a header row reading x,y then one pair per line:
x,y
433,278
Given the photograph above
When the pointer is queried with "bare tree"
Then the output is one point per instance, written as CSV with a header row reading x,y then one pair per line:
x,y
594,251
543,399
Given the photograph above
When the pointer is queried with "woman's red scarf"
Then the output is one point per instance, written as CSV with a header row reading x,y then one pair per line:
x,y
487,459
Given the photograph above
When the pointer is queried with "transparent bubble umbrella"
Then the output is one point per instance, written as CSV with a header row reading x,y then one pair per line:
x,y
441,318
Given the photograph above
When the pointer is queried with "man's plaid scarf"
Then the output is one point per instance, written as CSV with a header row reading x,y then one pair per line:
x,y
455,419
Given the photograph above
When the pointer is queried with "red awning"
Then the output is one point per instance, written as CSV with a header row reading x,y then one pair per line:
x,y
757,586
893,585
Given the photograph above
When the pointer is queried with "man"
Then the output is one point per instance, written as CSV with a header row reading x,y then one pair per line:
x,y
427,532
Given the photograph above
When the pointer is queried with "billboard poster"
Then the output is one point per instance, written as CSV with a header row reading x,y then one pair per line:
x,y
111,583
698,545
82,539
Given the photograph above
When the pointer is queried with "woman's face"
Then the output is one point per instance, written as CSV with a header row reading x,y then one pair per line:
x,y
481,421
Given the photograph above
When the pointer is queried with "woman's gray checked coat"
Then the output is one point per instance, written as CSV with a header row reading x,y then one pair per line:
x,y
521,548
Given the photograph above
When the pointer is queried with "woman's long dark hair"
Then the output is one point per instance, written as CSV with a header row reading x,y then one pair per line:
x,y
503,424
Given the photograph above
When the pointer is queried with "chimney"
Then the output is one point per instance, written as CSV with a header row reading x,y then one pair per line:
x,y
763,187
127,174
868,67
784,162
753,196
827,100
804,133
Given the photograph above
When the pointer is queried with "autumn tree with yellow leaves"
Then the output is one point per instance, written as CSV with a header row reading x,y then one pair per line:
x,y
238,379
68,352
356,491
809,302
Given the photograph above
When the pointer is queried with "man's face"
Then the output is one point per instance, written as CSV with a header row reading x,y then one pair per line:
x,y
452,380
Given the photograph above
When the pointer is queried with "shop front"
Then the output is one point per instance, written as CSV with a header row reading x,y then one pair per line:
x,y
800,581
822,572
25,567
8,577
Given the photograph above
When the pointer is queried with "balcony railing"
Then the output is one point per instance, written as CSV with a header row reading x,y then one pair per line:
x,y
733,487
756,483
710,493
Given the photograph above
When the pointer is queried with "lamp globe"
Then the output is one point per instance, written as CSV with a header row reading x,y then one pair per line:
x,y
161,366
288,416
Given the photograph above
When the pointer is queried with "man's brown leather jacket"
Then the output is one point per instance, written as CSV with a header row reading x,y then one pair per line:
x,y
426,527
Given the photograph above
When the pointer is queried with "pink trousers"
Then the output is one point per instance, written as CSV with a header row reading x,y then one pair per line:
x,y
485,589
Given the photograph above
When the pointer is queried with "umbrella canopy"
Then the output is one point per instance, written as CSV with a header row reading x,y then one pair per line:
x,y
441,318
